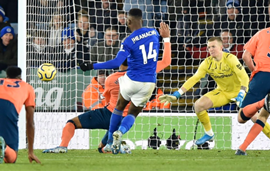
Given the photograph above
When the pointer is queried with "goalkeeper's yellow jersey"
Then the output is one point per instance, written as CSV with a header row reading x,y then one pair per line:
x,y
228,73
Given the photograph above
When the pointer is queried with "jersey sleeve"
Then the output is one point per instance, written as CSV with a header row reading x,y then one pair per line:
x,y
251,45
239,70
30,101
166,58
122,54
201,72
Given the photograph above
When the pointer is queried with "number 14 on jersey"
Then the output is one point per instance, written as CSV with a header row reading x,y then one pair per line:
x,y
151,53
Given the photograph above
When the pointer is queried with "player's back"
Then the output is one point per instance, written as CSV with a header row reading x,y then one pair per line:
x,y
143,45
258,46
17,92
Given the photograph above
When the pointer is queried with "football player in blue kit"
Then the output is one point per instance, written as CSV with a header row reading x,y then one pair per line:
x,y
141,50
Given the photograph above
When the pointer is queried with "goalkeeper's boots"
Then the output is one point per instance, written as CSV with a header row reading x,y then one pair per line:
x,y
240,153
58,149
107,149
205,138
125,148
116,145
2,149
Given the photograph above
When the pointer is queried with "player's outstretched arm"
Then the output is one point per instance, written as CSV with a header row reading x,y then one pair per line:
x,y
30,131
164,32
167,98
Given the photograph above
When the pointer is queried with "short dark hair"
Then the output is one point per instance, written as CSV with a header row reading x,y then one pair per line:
x,y
121,12
135,12
226,30
103,72
112,28
125,63
13,72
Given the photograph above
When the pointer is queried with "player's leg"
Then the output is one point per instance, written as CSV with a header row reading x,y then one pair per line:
x,y
254,99
9,132
116,117
266,129
10,155
256,128
215,98
126,124
141,93
95,119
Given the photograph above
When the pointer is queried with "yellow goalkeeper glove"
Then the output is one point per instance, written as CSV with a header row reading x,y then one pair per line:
x,y
168,98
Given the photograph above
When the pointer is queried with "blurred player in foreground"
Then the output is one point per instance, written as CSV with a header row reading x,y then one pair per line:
x,y
230,76
100,118
14,93
259,87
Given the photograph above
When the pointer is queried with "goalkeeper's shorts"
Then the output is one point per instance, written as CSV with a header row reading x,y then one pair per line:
x,y
258,88
220,98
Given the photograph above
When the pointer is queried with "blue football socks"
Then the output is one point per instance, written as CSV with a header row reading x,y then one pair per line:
x,y
114,123
127,123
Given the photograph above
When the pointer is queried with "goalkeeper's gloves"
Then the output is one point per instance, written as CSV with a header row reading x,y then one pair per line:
x,y
86,66
239,99
168,98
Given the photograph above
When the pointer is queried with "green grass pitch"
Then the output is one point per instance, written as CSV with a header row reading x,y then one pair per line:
x,y
85,160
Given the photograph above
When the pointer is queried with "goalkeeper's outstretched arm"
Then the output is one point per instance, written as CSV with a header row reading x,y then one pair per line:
x,y
186,86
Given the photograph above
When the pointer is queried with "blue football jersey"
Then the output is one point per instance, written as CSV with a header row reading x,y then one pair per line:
x,y
142,47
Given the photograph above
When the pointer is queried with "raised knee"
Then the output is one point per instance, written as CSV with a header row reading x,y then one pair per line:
x,y
198,107
71,121
241,117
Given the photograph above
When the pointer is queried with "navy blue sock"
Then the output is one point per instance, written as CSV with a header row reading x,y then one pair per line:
x,y
114,123
105,138
127,123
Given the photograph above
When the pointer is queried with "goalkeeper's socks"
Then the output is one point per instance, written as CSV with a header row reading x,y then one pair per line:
x,y
266,130
114,122
205,120
127,123
67,134
253,133
250,110
10,155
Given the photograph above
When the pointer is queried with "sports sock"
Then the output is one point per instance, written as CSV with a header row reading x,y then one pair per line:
x,y
250,110
127,123
10,155
114,123
253,133
266,130
67,134
205,120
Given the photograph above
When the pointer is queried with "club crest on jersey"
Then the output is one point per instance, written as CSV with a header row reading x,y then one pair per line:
x,y
239,66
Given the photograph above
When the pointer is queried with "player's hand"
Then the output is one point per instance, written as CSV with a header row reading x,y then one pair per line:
x,y
239,99
164,30
86,66
168,98
32,157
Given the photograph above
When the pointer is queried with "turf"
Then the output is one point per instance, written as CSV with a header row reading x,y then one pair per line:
x,y
80,160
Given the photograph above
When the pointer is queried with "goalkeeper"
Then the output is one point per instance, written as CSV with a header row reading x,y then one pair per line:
x,y
230,76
